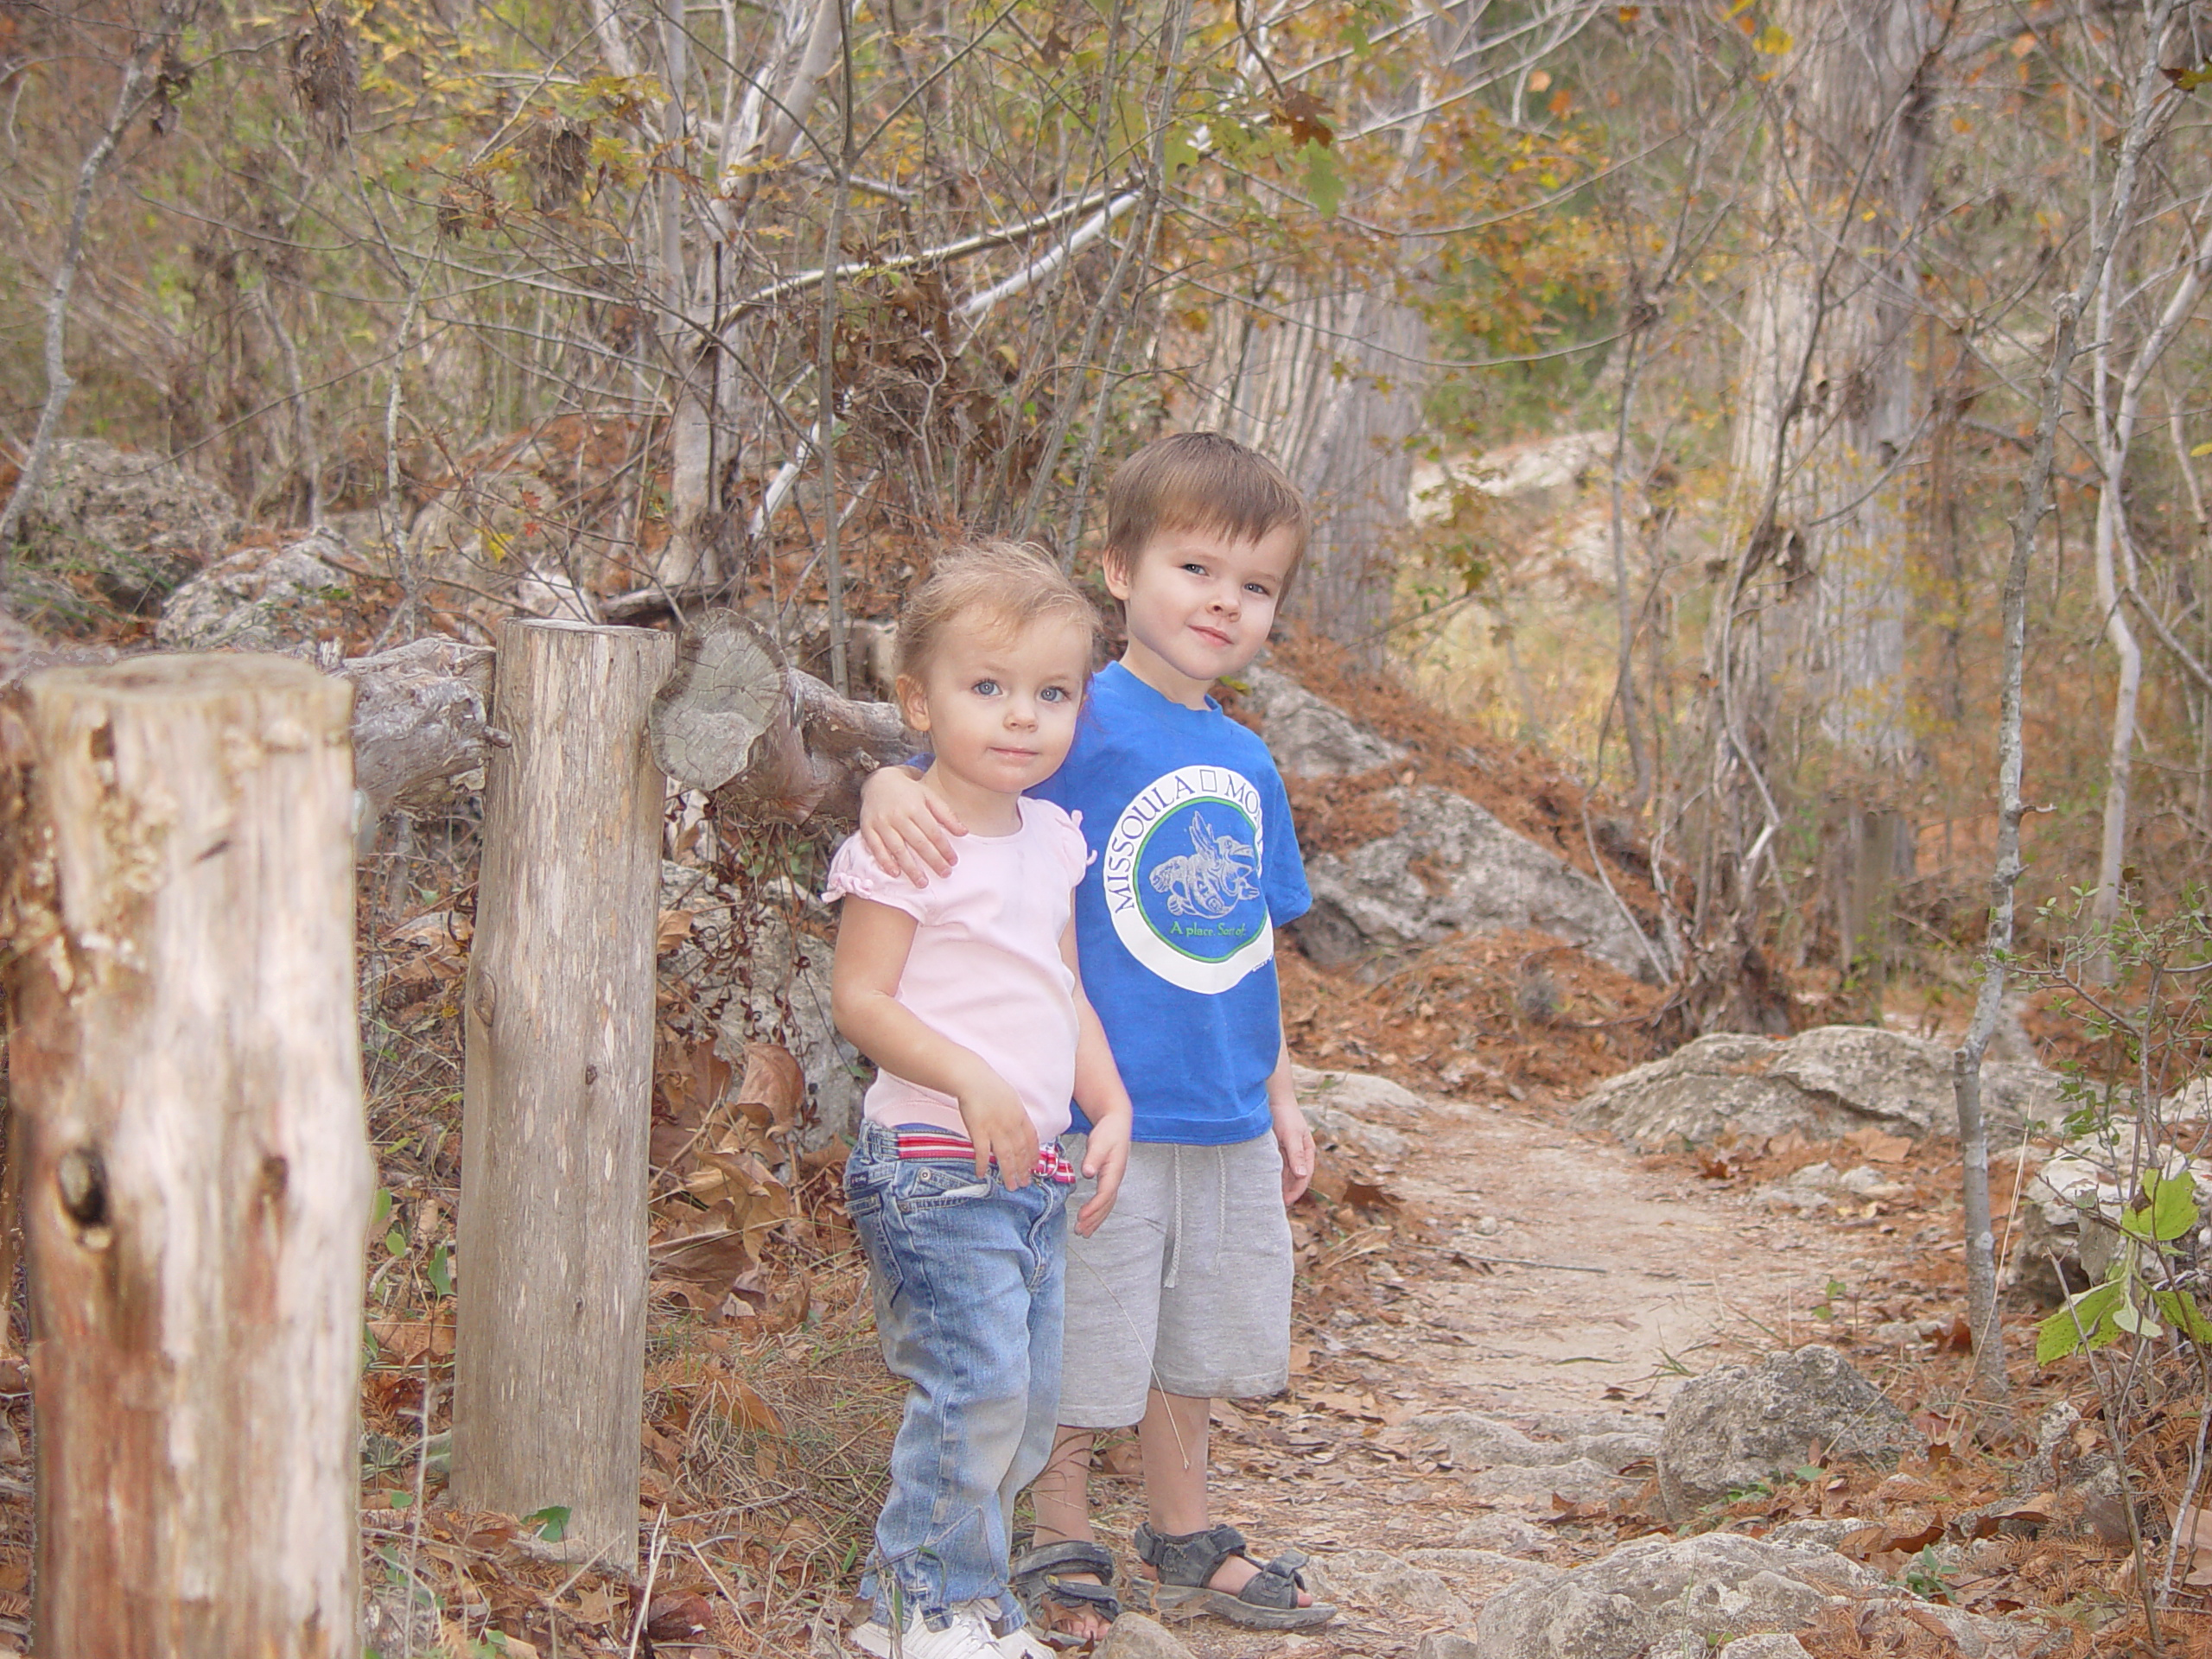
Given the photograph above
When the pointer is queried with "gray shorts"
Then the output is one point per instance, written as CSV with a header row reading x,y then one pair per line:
x,y
1185,1288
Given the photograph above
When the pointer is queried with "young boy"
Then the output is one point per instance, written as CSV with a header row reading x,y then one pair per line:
x,y
1183,1295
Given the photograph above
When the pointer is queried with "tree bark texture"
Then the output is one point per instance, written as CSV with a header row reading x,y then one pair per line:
x,y
195,1166
549,1360
769,743
1829,390
1331,391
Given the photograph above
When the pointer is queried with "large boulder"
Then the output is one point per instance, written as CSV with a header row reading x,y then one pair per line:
x,y
1739,1424
1452,866
140,523
257,599
1829,1081
2067,1227
1308,736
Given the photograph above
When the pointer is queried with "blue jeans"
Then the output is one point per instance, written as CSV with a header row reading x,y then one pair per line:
x,y
968,1279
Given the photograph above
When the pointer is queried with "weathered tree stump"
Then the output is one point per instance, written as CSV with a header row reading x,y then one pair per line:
x,y
196,1174
769,743
549,1354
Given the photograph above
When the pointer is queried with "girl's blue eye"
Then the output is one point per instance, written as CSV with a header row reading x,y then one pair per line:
x,y
1054,694
1194,566
986,688
1259,587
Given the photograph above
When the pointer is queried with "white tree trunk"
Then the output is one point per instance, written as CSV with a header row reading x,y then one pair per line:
x,y
549,1345
1331,391
196,1174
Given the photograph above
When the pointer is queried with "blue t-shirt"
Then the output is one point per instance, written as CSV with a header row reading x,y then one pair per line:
x,y
1195,864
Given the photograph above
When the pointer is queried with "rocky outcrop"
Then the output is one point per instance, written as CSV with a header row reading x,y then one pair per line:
x,y
1362,1114
1666,1599
255,600
1738,1425
1452,866
140,523
2067,1228
1420,1587
1654,1590
1308,736
1828,1081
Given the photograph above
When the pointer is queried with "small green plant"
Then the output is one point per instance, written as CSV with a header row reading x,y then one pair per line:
x,y
2137,1298
1924,1576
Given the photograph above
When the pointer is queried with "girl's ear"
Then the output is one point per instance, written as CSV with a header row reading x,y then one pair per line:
x,y
914,703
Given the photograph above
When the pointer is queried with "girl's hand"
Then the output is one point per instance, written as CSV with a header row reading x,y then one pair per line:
x,y
1106,1154
906,828
1000,1127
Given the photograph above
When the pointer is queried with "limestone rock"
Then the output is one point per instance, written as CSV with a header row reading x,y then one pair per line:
x,y
1136,1637
1372,1578
1451,867
1828,1081
1579,1480
252,600
1775,1646
1737,1426
1357,1094
140,523
1654,1591
1480,1441
1308,736
2067,1229
1444,1644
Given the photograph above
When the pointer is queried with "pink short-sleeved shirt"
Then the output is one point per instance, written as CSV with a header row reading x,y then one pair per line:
x,y
985,969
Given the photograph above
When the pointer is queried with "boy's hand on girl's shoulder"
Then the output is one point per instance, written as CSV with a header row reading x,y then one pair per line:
x,y
1296,1140
1105,1156
906,828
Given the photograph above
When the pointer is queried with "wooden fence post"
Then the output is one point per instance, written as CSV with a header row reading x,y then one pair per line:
x,y
549,1345
196,1172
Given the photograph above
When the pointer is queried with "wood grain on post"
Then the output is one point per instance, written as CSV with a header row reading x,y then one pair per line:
x,y
196,1172
549,1353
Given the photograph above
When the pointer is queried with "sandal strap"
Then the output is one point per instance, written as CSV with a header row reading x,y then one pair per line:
x,y
1277,1584
1034,1577
1068,1555
1188,1558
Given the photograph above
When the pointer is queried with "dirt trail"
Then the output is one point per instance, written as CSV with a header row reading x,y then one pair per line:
x,y
1395,1459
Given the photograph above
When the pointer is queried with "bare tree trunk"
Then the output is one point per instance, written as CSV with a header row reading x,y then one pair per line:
x,y
550,1346
1829,381
1331,391
196,1180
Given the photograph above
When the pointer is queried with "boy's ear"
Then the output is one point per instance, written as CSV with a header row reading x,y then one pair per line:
x,y
1118,572
914,703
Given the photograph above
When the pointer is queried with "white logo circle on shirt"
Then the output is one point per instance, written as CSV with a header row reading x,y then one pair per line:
x,y
1182,878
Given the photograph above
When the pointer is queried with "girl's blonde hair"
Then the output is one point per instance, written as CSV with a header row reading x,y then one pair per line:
x,y
1011,585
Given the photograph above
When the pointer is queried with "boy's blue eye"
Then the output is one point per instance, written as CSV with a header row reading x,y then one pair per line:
x,y
1194,566
1054,694
1259,587
985,687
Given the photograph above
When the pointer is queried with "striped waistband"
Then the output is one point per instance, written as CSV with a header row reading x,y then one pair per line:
x,y
1053,1164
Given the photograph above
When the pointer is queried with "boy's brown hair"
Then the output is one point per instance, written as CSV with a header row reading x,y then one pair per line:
x,y
1008,585
1200,480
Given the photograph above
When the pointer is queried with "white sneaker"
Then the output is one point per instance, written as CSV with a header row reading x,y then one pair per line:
x,y
967,1637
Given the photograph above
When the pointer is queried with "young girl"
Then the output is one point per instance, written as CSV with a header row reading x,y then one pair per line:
x,y
965,993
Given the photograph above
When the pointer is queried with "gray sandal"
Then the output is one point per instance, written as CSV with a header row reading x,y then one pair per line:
x,y
1187,1562
1036,1579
